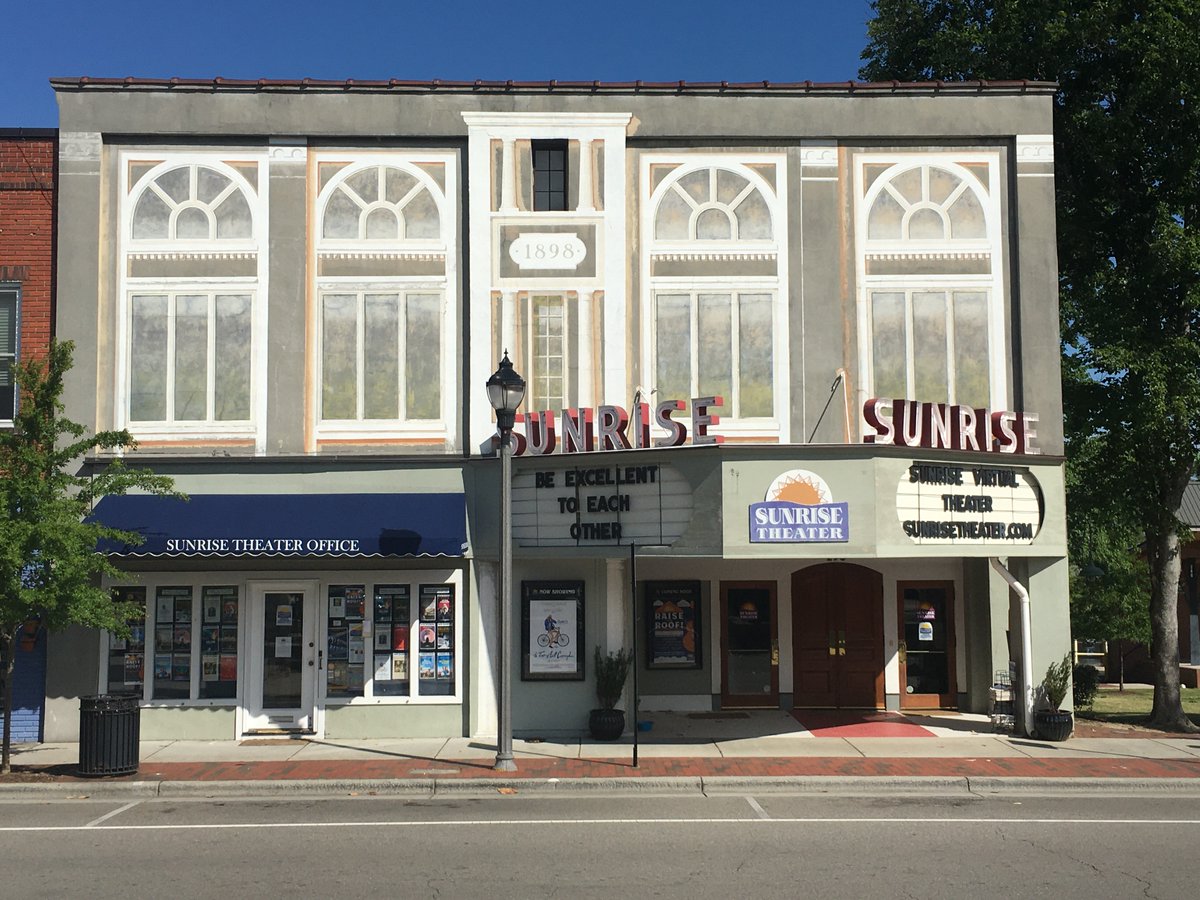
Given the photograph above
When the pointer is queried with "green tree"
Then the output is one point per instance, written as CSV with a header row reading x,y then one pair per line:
x,y
50,569
1127,161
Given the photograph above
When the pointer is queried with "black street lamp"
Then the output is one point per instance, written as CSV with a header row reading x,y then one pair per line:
x,y
506,390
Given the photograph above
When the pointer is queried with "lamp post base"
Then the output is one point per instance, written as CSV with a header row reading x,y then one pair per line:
x,y
504,763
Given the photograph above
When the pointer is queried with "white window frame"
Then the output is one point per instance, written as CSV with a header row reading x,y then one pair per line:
x,y
245,583
991,284
535,401
413,578
360,426
775,428
255,285
197,582
12,358
444,428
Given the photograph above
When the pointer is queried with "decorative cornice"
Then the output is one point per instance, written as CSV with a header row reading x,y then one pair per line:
x,y
924,254
683,255
818,155
382,254
1035,148
189,254
79,146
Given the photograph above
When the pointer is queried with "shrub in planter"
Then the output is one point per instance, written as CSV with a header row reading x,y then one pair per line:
x,y
1053,723
608,723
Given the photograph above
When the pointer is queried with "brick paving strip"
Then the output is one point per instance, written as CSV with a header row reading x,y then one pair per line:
x,y
687,767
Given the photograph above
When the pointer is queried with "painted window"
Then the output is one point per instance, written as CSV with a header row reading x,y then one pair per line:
x,y
380,356
929,264
385,354
194,254
8,353
548,387
715,314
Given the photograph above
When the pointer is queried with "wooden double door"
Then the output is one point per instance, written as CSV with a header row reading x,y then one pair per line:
x,y
837,636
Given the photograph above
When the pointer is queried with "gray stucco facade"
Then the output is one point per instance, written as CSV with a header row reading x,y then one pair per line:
x,y
299,290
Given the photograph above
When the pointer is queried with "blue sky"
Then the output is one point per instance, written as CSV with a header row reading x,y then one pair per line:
x,y
700,40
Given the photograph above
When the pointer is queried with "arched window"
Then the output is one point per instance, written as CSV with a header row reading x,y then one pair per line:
x,y
929,267
715,322
712,204
193,257
382,274
382,203
191,203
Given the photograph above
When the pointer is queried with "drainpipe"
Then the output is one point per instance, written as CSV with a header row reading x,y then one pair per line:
x,y
1026,644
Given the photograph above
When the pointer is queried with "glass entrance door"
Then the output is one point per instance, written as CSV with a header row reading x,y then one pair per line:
x,y
749,644
283,659
926,645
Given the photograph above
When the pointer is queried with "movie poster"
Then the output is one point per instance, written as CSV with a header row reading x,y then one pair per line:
x,y
552,633
673,624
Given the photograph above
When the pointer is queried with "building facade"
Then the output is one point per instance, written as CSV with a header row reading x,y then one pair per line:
x,y
792,366
28,180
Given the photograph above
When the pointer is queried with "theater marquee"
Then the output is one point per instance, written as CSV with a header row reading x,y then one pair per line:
x,y
941,503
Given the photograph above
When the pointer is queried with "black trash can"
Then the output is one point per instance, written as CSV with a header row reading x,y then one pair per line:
x,y
109,728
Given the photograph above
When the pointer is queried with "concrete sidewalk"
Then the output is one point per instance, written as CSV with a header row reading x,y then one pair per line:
x,y
767,748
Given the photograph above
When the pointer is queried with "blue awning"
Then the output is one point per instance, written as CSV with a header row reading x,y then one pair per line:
x,y
291,525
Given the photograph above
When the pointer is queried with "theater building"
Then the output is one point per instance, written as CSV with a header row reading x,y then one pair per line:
x,y
792,365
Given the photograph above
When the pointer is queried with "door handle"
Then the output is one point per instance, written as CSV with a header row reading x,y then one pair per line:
x,y
903,649
320,659
842,642
832,642
775,652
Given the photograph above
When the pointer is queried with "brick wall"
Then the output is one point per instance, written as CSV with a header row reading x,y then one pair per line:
x,y
27,208
29,693
27,182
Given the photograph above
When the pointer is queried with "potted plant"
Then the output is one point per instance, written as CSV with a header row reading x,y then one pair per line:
x,y
1053,723
608,723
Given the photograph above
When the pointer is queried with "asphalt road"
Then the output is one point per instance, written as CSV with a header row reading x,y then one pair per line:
x,y
764,845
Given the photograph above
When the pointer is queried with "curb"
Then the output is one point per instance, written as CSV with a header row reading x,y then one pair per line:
x,y
432,788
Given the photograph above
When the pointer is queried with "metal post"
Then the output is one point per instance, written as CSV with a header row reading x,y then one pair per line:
x,y
504,752
634,644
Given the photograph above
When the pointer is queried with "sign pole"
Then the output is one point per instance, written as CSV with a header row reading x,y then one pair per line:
x,y
634,644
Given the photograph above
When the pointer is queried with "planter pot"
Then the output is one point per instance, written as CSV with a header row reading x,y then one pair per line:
x,y
1053,724
606,724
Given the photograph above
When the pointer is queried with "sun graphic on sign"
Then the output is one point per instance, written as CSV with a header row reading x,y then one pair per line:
x,y
800,486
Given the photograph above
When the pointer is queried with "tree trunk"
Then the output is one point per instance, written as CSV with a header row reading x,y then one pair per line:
x,y
1163,552
9,642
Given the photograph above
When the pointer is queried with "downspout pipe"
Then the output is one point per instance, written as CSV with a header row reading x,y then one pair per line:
x,y
1026,644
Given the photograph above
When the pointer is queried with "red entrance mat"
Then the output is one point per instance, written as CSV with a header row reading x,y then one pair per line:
x,y
852,723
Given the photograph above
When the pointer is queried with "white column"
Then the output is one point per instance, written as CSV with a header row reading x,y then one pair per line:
x,y
487,610
508,177
508,323
616,255
615,609
586,364
585,176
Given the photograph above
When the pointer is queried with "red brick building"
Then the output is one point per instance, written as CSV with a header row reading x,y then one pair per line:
x,y
28,179
28,176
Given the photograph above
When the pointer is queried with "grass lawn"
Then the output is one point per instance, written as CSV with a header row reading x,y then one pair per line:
x,y
1131,706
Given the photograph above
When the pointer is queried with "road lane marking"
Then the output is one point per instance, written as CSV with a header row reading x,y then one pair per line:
x,y
507,823
109,815
762,813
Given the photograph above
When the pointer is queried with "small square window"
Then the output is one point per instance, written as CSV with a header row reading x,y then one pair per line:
x,y
549,176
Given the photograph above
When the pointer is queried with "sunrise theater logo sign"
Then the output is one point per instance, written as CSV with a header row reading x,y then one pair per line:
x,y
799,509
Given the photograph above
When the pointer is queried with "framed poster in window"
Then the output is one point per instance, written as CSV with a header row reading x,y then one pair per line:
x,y
552,630
673,625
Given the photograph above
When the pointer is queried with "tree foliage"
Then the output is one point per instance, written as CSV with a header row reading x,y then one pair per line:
x,y
1127,167
50,570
